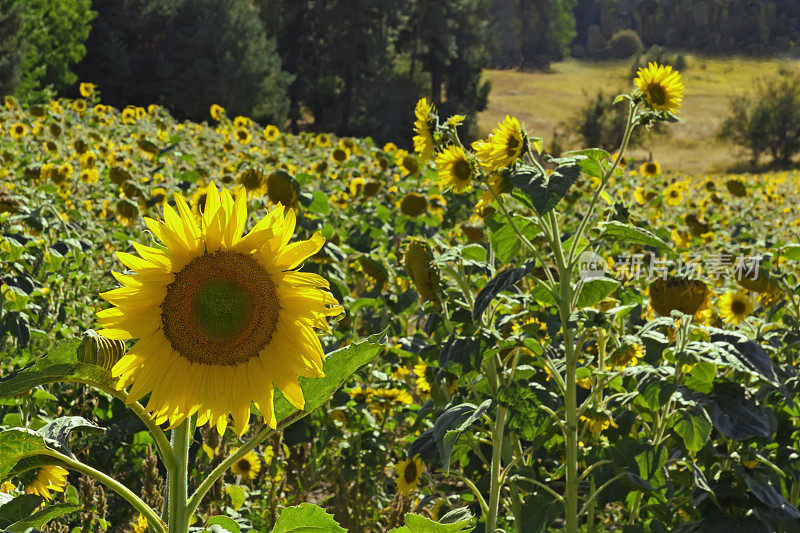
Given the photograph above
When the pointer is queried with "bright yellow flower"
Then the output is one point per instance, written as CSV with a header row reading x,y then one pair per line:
x,y
248,466
423,140
735,307
271,132
46,479
220,317
409,474
650,169
662,88
86,89
505,145
454,168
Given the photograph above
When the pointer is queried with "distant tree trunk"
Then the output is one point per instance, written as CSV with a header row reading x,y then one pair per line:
x,y
436,83
524,21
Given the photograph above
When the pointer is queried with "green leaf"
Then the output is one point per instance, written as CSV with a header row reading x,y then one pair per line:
x,y
60,429
419,524
320,204
43,516
474,252
306,518
628,234
18,508
595,290
545,192
701,377
21,443
791,251
237,495
339,366
60,364
452,423
503,238
227,524
694,427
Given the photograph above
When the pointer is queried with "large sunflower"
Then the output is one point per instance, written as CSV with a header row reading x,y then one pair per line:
x,y
220,317
454,168
423,140
662,88
689,296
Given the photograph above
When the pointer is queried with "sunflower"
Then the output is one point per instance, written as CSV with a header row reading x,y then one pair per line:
x,y
127,212
626,355
735,307
271,132
242,135
323,140
254,182
220,317
282,189
409,474
410,165
413,204
597,422
89,175
661,87
423,127
361,395
650,169
44,479
242,122
673,194
505,145
18,131
86,89
248,466
420,370
454,169
216,112
141,524
689,296
79,105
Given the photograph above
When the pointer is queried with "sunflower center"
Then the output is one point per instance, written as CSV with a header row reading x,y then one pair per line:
x,y
738,307
221,309
650,168
410,473
251,179
244,466
512,145
657,94
462,170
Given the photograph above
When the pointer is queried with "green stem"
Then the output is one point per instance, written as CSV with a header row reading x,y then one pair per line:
x,y
152,518
497,450
178,483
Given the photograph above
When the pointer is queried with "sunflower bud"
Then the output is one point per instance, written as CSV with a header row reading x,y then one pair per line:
x,y
97,350
419,267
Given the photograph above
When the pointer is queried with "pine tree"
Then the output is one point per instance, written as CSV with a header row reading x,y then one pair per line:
x,y
12,45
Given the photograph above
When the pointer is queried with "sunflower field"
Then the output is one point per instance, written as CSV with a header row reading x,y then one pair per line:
x,y
223,327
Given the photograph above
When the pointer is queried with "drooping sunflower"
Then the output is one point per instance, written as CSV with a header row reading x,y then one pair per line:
x,y
45,479
689,296
454,168
650,169
420,370
505,145
735,307
626,355
248,466
216,112
219,317
661,86
409,474
424,120
86,89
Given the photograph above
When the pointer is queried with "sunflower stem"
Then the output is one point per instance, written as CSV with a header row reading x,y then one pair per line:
x,y
178,482
255,440
156,524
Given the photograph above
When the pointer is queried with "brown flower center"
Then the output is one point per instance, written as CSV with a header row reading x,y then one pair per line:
x,y
410,473
221,309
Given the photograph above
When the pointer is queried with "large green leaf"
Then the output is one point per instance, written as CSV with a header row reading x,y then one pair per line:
x,y
306,518
419,524
60,364
23,444
339,366
595,290
628,234
546,191
18,508
43,516
504,239
694,427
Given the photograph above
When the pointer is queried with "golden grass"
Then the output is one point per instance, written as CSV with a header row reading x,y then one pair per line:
x,y
544,101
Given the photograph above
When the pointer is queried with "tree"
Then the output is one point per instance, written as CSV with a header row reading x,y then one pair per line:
x,y
187,55
12,45
55,32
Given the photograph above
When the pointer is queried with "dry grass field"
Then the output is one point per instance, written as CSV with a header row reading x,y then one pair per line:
x,y
545,101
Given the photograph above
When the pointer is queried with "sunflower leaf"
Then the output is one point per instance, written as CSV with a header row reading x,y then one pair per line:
x,y
615,230
27,446
59,430
18,508
59,364
43,516
306,518
545,192
338,366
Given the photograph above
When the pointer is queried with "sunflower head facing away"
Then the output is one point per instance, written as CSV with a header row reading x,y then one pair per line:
x,y
409,474
219,316
424,123
45,479
661,87
689,296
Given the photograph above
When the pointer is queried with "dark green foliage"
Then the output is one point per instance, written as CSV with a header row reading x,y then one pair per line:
x,y
600,124
54,32
624,44
12,47
768,120
661,56
187,55
531,33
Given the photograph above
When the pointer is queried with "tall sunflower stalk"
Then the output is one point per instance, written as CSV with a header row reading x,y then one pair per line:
x,y
502,163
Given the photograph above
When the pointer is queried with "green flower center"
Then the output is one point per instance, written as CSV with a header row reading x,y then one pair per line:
x,y
221,308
